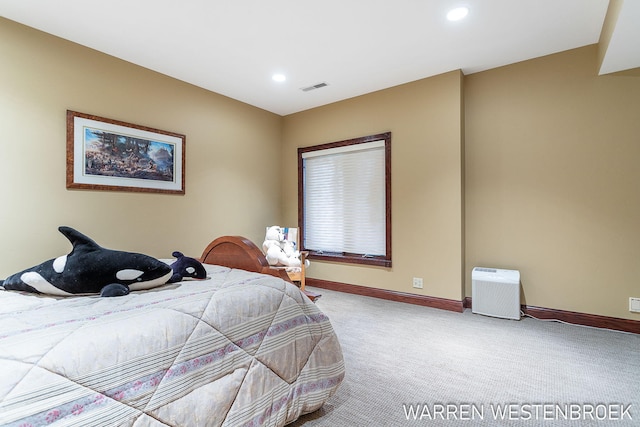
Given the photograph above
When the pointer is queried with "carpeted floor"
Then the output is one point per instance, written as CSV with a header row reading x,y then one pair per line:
x,y
410,365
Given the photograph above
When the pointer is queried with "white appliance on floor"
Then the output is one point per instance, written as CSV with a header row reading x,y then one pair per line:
x,y
495,292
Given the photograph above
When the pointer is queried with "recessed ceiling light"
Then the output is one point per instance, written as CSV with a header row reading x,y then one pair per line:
x,y
279,77
457,14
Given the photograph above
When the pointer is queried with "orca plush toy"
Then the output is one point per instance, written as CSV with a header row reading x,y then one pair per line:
x,y
185,266
91,269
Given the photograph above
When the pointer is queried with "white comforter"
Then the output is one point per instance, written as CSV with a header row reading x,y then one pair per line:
x,y
241,349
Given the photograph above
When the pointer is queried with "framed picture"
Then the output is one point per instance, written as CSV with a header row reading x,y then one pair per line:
x,y
105,154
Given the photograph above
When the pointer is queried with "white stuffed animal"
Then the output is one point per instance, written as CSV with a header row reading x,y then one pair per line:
x,y
279,251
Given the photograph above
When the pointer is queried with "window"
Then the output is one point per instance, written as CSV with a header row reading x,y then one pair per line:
x,y
344,200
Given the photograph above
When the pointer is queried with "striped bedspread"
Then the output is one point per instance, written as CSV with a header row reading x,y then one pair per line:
x,y
240,349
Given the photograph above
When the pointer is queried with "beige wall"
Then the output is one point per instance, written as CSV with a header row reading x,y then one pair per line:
x,y
553,182
231,149
425,120
550,176
549,184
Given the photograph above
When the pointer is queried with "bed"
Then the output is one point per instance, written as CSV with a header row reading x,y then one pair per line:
x,y
244,348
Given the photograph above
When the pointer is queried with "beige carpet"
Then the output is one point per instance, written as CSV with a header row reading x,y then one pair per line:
x,y
409,365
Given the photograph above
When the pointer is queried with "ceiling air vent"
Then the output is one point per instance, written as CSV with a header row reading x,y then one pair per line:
x,y
316,86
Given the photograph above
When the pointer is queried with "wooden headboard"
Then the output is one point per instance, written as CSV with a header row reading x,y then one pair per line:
x,y
239,252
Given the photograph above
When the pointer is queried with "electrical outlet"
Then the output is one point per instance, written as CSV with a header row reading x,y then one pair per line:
x,y
417,282
634,304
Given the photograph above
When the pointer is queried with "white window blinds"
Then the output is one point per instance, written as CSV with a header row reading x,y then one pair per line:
x,y
344,199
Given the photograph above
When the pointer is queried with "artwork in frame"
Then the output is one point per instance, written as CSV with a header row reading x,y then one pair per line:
x,y
106,154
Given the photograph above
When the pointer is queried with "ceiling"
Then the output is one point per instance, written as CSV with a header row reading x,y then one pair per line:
x,y
355,46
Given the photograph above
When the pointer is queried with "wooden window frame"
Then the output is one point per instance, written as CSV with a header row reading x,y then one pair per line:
x,y
344,257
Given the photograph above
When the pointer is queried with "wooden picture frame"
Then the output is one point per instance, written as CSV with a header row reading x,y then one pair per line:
x,y
106,154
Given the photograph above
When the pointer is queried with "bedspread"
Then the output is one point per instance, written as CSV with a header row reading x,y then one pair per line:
x,y
240,349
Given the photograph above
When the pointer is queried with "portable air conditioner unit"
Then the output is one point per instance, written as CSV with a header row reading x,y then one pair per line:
x,y
495,292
